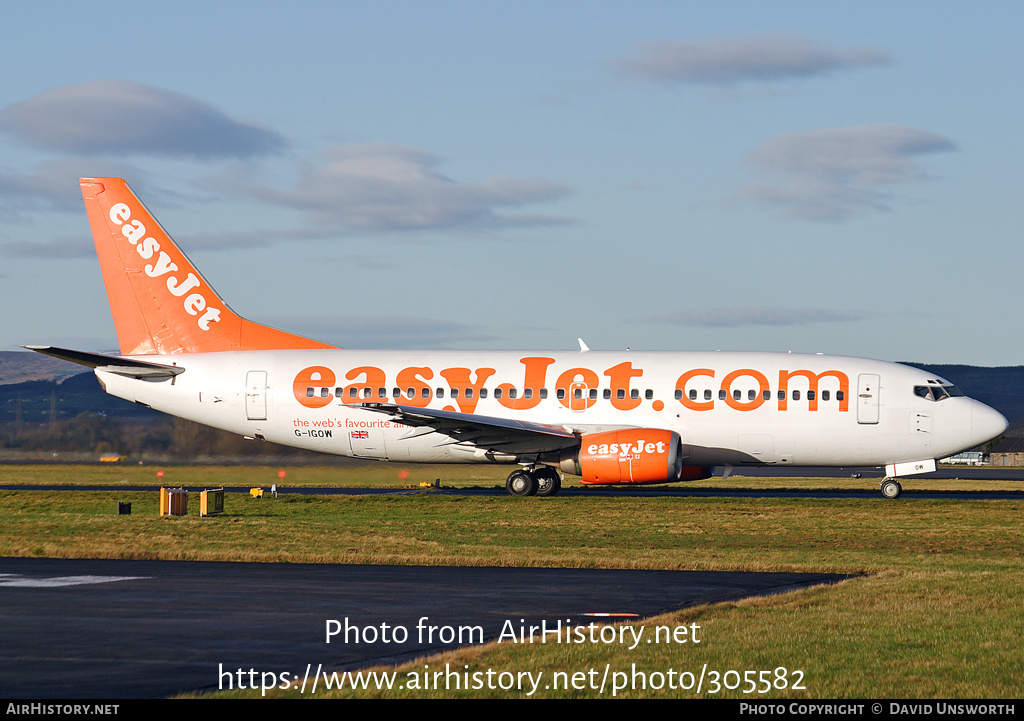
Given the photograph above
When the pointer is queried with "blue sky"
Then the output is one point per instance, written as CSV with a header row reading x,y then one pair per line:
x,y
818,177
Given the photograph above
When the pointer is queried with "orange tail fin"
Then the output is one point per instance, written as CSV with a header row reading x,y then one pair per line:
x,y
160,302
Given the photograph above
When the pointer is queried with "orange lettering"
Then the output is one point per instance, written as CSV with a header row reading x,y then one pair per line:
x,y
812,380
681,386
374,379
315,377
620,376
459,378
567,383
740,405
415,379
536,372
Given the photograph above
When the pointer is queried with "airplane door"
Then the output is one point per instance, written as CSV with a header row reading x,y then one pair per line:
x,y
256,395
867,398
578,396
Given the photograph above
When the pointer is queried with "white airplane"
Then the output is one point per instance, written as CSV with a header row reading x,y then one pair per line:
x,y
609,417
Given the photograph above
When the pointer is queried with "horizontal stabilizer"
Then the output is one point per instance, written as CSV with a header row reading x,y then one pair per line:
x,y
112,364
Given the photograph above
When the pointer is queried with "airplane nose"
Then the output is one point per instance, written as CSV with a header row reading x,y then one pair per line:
x,y
986,423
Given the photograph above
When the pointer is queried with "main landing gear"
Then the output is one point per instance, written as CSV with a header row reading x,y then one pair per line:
x,y
542,481
891,488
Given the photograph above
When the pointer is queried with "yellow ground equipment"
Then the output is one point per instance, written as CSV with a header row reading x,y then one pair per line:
x,y
211,502
173,502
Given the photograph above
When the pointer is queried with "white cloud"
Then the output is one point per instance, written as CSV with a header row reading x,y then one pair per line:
x,y
837,173
743,58
120,117
733,316
387,187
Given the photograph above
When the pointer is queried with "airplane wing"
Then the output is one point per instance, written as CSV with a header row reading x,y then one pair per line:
x,y
499,435
112,364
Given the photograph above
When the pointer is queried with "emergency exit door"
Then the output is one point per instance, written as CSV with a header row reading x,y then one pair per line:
x,y
867,398
256,395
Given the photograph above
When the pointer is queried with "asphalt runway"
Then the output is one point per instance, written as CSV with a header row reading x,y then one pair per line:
x,y
144,629
865,488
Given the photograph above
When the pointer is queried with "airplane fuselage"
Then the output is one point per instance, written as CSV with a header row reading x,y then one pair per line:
x,y
729,408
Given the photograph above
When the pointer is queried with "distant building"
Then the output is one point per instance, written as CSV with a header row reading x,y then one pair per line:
x,y
967,458
1009,452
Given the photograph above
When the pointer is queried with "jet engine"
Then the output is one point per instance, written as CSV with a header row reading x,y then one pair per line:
x,y
636,455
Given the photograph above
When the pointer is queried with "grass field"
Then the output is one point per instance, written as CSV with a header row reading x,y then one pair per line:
x,y
937,611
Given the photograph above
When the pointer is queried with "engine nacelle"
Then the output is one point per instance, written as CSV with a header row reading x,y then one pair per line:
x,y
637,455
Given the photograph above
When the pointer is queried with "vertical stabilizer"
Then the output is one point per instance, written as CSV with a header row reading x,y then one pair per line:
x,y
160,302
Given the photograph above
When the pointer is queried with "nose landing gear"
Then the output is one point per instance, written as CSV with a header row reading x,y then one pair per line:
x,y
891,488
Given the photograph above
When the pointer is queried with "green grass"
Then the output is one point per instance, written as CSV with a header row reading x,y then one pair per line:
x,y
936,613
393,475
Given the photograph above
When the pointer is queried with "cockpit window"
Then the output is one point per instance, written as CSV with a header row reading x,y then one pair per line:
x,y
937,393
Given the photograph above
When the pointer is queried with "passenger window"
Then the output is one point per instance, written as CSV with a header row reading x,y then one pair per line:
x,y
425,393
497,392
840,395
693,394
620,393
649,395
767,395
634,394
382,392
751,395
578,393
560,394
593,394
440,393
512,392
707,394
721,395
483,392
367,392
325,392
810,395
796,395
455,392
309,392
353,392
608,393
469,393
543,393
825,395
410,393
396,392
782,395
528,393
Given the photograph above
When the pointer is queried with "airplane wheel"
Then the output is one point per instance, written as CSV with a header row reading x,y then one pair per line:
x,y
521,483
548,482
891,489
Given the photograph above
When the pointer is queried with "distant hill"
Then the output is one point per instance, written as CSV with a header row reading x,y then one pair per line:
x,y
34,401
21,366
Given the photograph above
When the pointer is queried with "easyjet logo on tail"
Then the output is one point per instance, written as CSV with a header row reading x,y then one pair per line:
x,y
194,302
